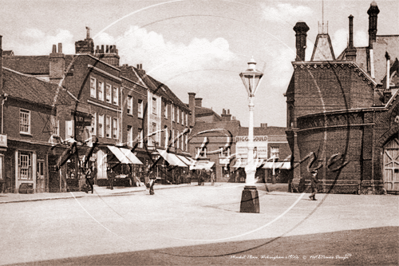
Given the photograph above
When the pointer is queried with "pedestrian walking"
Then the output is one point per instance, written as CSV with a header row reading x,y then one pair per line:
x,y
111,176
212,177
152,182
89,182
313,184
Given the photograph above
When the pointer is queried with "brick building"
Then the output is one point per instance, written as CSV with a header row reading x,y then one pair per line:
x,y
114,99
30,108
341,112
225,143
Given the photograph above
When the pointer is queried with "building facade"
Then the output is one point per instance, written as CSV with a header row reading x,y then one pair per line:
x,y
221,142
341,112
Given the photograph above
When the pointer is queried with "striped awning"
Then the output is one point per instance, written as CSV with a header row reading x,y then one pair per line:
x,y
124,156
171,158
184,159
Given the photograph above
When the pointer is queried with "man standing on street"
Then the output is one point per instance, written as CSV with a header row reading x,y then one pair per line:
x,y
314,180
212,177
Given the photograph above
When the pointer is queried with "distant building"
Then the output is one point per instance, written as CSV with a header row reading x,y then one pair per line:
x,y
343,112
219,142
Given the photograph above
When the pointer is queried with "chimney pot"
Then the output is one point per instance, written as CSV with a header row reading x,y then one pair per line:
x,y
54,49
300,29
198,102
60,48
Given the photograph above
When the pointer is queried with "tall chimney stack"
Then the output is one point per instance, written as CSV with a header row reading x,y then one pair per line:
x,y
191,105
373,14
351,51
300,29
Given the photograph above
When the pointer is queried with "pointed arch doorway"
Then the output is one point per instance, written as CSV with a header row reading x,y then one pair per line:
x,y
391,165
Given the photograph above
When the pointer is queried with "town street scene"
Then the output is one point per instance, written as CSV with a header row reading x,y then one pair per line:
x,y
196,132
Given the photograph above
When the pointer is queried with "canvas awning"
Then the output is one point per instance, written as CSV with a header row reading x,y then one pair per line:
x,y
171,158
202,165
184,159
130,155
124,156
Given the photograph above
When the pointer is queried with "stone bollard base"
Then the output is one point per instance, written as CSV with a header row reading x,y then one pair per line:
x,y
250,200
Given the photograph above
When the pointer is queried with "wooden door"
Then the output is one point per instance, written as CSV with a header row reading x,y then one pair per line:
x,y
391,165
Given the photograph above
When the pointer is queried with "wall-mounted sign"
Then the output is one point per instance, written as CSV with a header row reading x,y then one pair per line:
x,y
260,146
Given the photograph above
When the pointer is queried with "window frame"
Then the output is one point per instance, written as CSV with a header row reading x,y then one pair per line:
x,y
100,90
29,121
129,105
108,93
93,87
140,108
115,128
102,124
108,129
115,95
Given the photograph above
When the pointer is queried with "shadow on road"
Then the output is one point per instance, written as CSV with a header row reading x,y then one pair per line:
x,y
373,246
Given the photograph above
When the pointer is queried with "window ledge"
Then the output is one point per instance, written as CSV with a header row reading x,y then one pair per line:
x,y
26,134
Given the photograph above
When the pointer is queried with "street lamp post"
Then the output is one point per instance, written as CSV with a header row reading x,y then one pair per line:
x,y
249,198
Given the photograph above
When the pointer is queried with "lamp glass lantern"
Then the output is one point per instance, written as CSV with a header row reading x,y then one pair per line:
x,y
250,200
251,77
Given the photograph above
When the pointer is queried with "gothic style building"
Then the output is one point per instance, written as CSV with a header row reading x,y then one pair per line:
x,y
343,112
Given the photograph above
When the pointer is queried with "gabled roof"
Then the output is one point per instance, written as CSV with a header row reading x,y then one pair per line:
x,y
323,49
161,89
32,89
130,73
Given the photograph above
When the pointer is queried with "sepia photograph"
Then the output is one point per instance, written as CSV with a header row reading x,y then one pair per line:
x,y
199,132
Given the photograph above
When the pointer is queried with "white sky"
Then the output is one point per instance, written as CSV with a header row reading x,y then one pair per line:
x,y
196,46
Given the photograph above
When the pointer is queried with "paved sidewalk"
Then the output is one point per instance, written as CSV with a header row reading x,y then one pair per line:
x,y
98,191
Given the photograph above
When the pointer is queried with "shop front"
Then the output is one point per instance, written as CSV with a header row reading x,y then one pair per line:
x,y
118,163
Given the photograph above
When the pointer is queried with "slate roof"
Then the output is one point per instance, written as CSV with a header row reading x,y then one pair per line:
x,y
161,89
31,64
203,111
32,89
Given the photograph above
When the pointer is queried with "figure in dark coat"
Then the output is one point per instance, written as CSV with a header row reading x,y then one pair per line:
x,y
314,180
